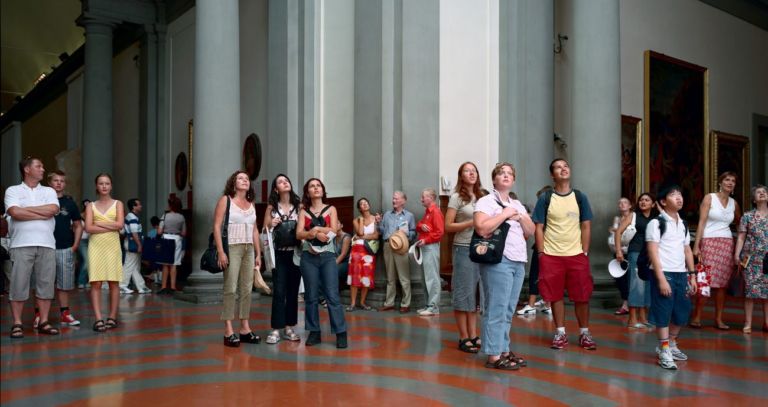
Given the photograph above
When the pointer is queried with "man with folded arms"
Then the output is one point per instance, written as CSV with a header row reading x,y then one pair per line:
x,y
398,219
31,207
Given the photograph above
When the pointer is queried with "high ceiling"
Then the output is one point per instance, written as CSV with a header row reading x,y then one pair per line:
x,y
33,33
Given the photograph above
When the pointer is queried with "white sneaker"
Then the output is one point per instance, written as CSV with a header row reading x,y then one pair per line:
x,y
125,290
428,313
420,310
547,310
540,304
145,291
676,353
526,310
665,360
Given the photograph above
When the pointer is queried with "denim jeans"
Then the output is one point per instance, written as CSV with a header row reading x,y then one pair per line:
x,y
430,255
82,267
285,293
502,284
319,272
639,290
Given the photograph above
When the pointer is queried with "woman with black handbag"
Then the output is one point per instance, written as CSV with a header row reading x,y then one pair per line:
x,y
241,256
318,262
502,281
280,217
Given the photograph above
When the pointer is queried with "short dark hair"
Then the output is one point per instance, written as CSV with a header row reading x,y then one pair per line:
x,y
132,203
26,162
552,164
154,221
668,190
56,172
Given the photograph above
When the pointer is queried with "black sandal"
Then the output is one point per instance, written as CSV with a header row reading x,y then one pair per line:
x,y
476,342
99,326
467,348
502,364
232,341
517,359
46,328
250,337
17,331
111,323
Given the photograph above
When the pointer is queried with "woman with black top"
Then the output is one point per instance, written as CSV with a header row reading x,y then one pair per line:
x,y
318,262
281,218
639,291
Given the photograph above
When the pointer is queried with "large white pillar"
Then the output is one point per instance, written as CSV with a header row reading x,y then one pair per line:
x,y
216,152
97,105
596,116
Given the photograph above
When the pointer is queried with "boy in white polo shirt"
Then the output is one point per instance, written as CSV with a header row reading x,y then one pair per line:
x,y
671,258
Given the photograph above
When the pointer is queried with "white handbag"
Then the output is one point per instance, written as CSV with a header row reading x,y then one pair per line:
x,y
626,237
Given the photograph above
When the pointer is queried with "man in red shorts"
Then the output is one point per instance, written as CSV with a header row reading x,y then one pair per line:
x,y
563,225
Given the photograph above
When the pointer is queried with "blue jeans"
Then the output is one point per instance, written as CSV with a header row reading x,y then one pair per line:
x,y
82,267
320,272
502,284
639,290
430,255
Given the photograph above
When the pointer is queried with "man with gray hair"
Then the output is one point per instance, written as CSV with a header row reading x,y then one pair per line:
x,y
398,219
430,229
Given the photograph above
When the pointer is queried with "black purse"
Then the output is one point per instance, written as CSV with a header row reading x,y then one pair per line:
x,y
210,259
489,250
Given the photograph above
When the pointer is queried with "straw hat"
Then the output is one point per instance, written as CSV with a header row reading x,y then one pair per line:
x,y
399,242
415,253
617,269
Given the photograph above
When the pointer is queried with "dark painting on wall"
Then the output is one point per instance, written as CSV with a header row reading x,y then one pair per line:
x,y
631,139
676,146
730,152
252,156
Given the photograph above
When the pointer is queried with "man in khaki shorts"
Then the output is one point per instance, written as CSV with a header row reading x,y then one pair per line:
x,y
31,208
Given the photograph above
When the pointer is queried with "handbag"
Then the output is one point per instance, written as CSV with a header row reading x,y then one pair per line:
x,y
736,283
267,248
626,236
209,261
284,234
372,246
489,250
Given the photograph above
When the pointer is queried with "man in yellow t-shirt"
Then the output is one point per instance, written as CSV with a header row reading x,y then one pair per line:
x,y
563,225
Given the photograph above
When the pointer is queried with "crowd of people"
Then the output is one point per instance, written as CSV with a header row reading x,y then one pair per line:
x,y
307,246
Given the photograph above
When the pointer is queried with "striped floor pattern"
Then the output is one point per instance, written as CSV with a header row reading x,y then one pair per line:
x,y
170,353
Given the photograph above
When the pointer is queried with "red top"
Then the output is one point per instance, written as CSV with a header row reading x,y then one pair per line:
x,y
434,219
308,222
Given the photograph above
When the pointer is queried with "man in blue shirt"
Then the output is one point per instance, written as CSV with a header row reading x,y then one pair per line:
x,y
396,264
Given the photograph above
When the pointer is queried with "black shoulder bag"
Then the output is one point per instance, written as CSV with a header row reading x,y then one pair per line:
x,y
489,250
210,259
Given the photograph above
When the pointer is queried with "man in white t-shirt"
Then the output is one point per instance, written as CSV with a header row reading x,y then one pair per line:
x,y
673,279
32,208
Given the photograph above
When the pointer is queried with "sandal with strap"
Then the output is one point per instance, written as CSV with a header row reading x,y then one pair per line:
x,y
466,345
111,323
17,331
517,359
99,326
350,308
502,364
250,337
46,328
477,342
232,341
366,307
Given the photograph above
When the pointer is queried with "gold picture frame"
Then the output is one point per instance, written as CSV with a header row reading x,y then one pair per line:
x,y
676,145
631,157
730,152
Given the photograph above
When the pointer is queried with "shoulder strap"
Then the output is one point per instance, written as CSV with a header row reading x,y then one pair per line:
x,y
547,200
226,214
662,225
325,209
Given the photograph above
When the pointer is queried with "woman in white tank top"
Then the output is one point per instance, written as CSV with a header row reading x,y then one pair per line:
x,y
714,244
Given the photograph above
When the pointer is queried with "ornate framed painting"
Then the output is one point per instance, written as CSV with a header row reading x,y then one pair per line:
x,y
676,145
180,171
730,152
631,157
252,156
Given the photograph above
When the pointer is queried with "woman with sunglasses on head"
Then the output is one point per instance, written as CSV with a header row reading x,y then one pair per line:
x,y
281,219
318,222
241,256
362,264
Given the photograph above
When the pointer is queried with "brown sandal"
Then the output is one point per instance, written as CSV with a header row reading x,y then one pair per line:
x,y
111,323
517,359
502,364
46,328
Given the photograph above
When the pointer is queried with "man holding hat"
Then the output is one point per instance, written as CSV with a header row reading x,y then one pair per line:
x,y
398,227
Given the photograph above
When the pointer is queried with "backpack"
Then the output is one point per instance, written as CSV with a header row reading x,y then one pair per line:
x,y
643,259
318,221
548,199
284,234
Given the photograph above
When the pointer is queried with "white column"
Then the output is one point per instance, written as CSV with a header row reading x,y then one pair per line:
x,y
216,152
596,118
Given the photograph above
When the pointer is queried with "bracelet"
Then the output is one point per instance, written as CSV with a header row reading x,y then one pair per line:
x,y
690,273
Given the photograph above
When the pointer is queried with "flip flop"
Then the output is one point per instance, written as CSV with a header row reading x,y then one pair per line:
x,y
695,325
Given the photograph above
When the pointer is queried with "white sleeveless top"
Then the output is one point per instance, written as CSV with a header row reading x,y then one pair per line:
x,y
241,224
719,218
367,230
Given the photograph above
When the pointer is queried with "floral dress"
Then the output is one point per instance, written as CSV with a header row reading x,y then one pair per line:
x,y
362,265
755,246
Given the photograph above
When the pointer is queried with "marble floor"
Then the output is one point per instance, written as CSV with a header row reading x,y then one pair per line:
x,y
170,353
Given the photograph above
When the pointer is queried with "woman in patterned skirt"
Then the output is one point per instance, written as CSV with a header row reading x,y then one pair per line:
x,y
714,244
362,265
103,219
751,248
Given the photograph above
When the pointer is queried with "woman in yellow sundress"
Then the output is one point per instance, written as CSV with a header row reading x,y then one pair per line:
x,y
103,219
